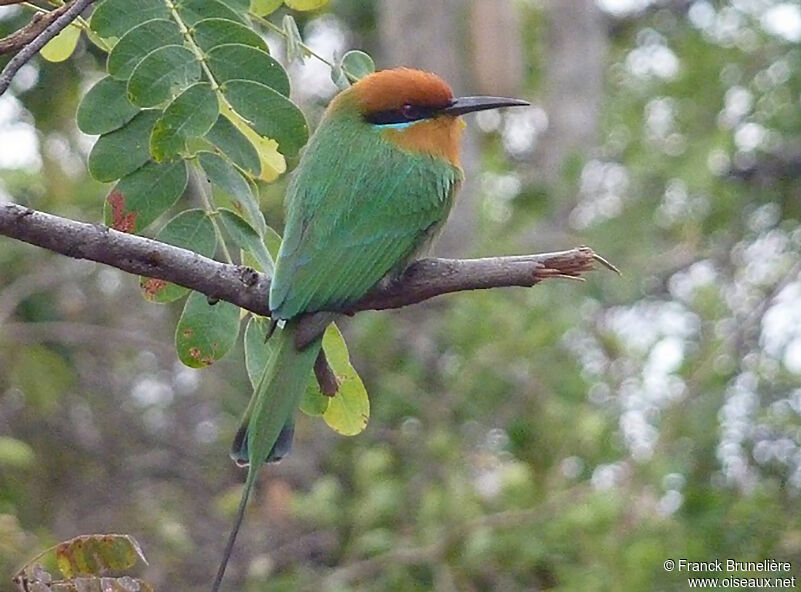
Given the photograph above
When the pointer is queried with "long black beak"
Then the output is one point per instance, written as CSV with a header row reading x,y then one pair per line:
x,y
464,105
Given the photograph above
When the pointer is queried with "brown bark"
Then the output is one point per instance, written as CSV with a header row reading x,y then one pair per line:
x,y
249,289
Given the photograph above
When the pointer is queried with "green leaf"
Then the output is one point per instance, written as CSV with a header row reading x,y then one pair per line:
x,y
140,41
269,113
314,403
257,351
293,39
190,115
194,11
42,374
231,188
15,454
243,62
272,162
339,78
264,7
233,143
348,410
105,108
114,18
246,238
214,32
191,229
62,46
273,241
305,4
205,332
124,150
358,64
141,197
162,74
238,5
95,553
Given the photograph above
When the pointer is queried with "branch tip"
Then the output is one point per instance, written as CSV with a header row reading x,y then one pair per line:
x,y
602,261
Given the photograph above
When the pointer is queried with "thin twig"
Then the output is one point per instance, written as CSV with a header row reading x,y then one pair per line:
x,y
306,48
30,50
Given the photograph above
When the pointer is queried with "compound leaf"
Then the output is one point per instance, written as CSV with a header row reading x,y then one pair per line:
x,y
124,150
189,116
162,74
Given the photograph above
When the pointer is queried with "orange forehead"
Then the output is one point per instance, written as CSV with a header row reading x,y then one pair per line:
x,y
389,90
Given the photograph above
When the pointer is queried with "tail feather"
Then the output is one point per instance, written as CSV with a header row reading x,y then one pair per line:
x,y
277,395
268,425
281,448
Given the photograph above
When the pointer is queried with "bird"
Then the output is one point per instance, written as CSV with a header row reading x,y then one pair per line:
x,y
372,189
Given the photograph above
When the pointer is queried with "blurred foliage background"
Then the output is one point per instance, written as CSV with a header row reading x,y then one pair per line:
x,y
567,437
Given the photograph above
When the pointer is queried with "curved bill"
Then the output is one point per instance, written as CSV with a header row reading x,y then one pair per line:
x,y
464,105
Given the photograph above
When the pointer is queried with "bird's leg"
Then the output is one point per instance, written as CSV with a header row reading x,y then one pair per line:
x,y
326,378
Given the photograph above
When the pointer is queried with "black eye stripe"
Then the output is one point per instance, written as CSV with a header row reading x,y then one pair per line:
x,y
405,114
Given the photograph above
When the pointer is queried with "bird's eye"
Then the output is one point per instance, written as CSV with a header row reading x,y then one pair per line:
x,y
410,112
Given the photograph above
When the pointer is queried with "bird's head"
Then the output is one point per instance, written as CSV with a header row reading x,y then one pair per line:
x,y
415,109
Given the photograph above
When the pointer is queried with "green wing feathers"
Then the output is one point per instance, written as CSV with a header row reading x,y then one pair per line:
x,y
354,215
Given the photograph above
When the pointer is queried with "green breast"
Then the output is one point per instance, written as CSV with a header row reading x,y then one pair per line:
x,y
357,207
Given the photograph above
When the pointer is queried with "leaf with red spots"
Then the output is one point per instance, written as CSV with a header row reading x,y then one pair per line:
x,y
83,561
191,230
144,195
205,332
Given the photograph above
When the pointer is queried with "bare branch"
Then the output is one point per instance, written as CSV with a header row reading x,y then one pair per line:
x,y
249,289
135,254
32,48
29,32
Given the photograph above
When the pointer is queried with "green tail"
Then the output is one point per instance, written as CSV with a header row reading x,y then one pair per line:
x,y
267,425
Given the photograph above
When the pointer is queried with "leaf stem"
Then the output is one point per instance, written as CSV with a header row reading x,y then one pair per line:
x,y
79,22
276,29
201,57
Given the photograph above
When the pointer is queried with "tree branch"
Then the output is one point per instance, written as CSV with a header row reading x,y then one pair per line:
x,y
28,33
249,289
39,41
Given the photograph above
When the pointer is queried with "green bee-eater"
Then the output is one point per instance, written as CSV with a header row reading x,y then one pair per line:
x,y
373,187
